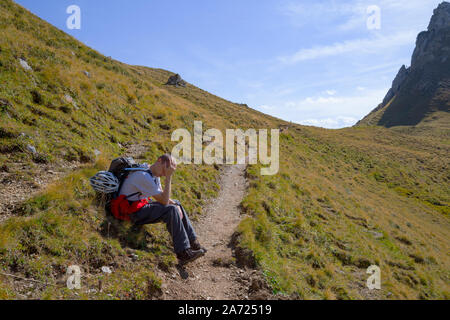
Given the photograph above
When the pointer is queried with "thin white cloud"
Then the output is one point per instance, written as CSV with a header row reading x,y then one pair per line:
x,y
356,21
357,45
329,111
356,104
351,14
302,14
313,101
330,123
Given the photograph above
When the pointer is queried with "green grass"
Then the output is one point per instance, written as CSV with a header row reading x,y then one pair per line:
x,y
313,228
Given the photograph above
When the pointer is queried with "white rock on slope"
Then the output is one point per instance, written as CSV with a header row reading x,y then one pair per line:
x,y
25,65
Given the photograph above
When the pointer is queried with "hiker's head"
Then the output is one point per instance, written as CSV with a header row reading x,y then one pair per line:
x,y
160,166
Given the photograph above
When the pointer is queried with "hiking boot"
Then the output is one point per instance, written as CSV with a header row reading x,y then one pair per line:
x,y
189,255
195,245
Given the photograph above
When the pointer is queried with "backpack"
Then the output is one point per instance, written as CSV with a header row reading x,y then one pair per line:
x,y
119,166
119,206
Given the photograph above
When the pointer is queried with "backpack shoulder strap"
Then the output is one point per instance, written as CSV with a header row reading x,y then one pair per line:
x,y
133,194
122,179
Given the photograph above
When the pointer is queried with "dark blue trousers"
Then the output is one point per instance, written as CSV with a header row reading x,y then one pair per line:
x,y
181,230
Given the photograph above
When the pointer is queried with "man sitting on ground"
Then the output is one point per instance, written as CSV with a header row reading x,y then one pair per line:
x,y
147,184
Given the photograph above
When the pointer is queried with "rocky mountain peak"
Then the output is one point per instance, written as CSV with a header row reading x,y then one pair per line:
x,y
441,17
431,44
396,84
424,87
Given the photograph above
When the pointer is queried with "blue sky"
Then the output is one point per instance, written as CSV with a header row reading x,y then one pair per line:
x,y
310,62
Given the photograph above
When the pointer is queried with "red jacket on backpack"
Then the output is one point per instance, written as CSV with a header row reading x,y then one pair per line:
x,y
121,208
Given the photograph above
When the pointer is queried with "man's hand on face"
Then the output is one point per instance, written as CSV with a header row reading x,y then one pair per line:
x,y
170,169
173,161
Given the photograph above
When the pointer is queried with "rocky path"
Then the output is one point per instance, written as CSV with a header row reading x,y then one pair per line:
x,y
216,275
14,189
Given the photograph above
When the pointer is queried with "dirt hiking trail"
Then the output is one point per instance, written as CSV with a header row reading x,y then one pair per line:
x,y
216,275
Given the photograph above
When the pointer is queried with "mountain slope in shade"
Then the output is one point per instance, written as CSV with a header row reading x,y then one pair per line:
x,y
420,93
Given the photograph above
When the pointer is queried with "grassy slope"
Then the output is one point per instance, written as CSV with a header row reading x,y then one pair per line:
x,y
315,227
309,226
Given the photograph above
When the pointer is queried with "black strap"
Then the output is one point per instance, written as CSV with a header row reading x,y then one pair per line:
x,y
133,194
